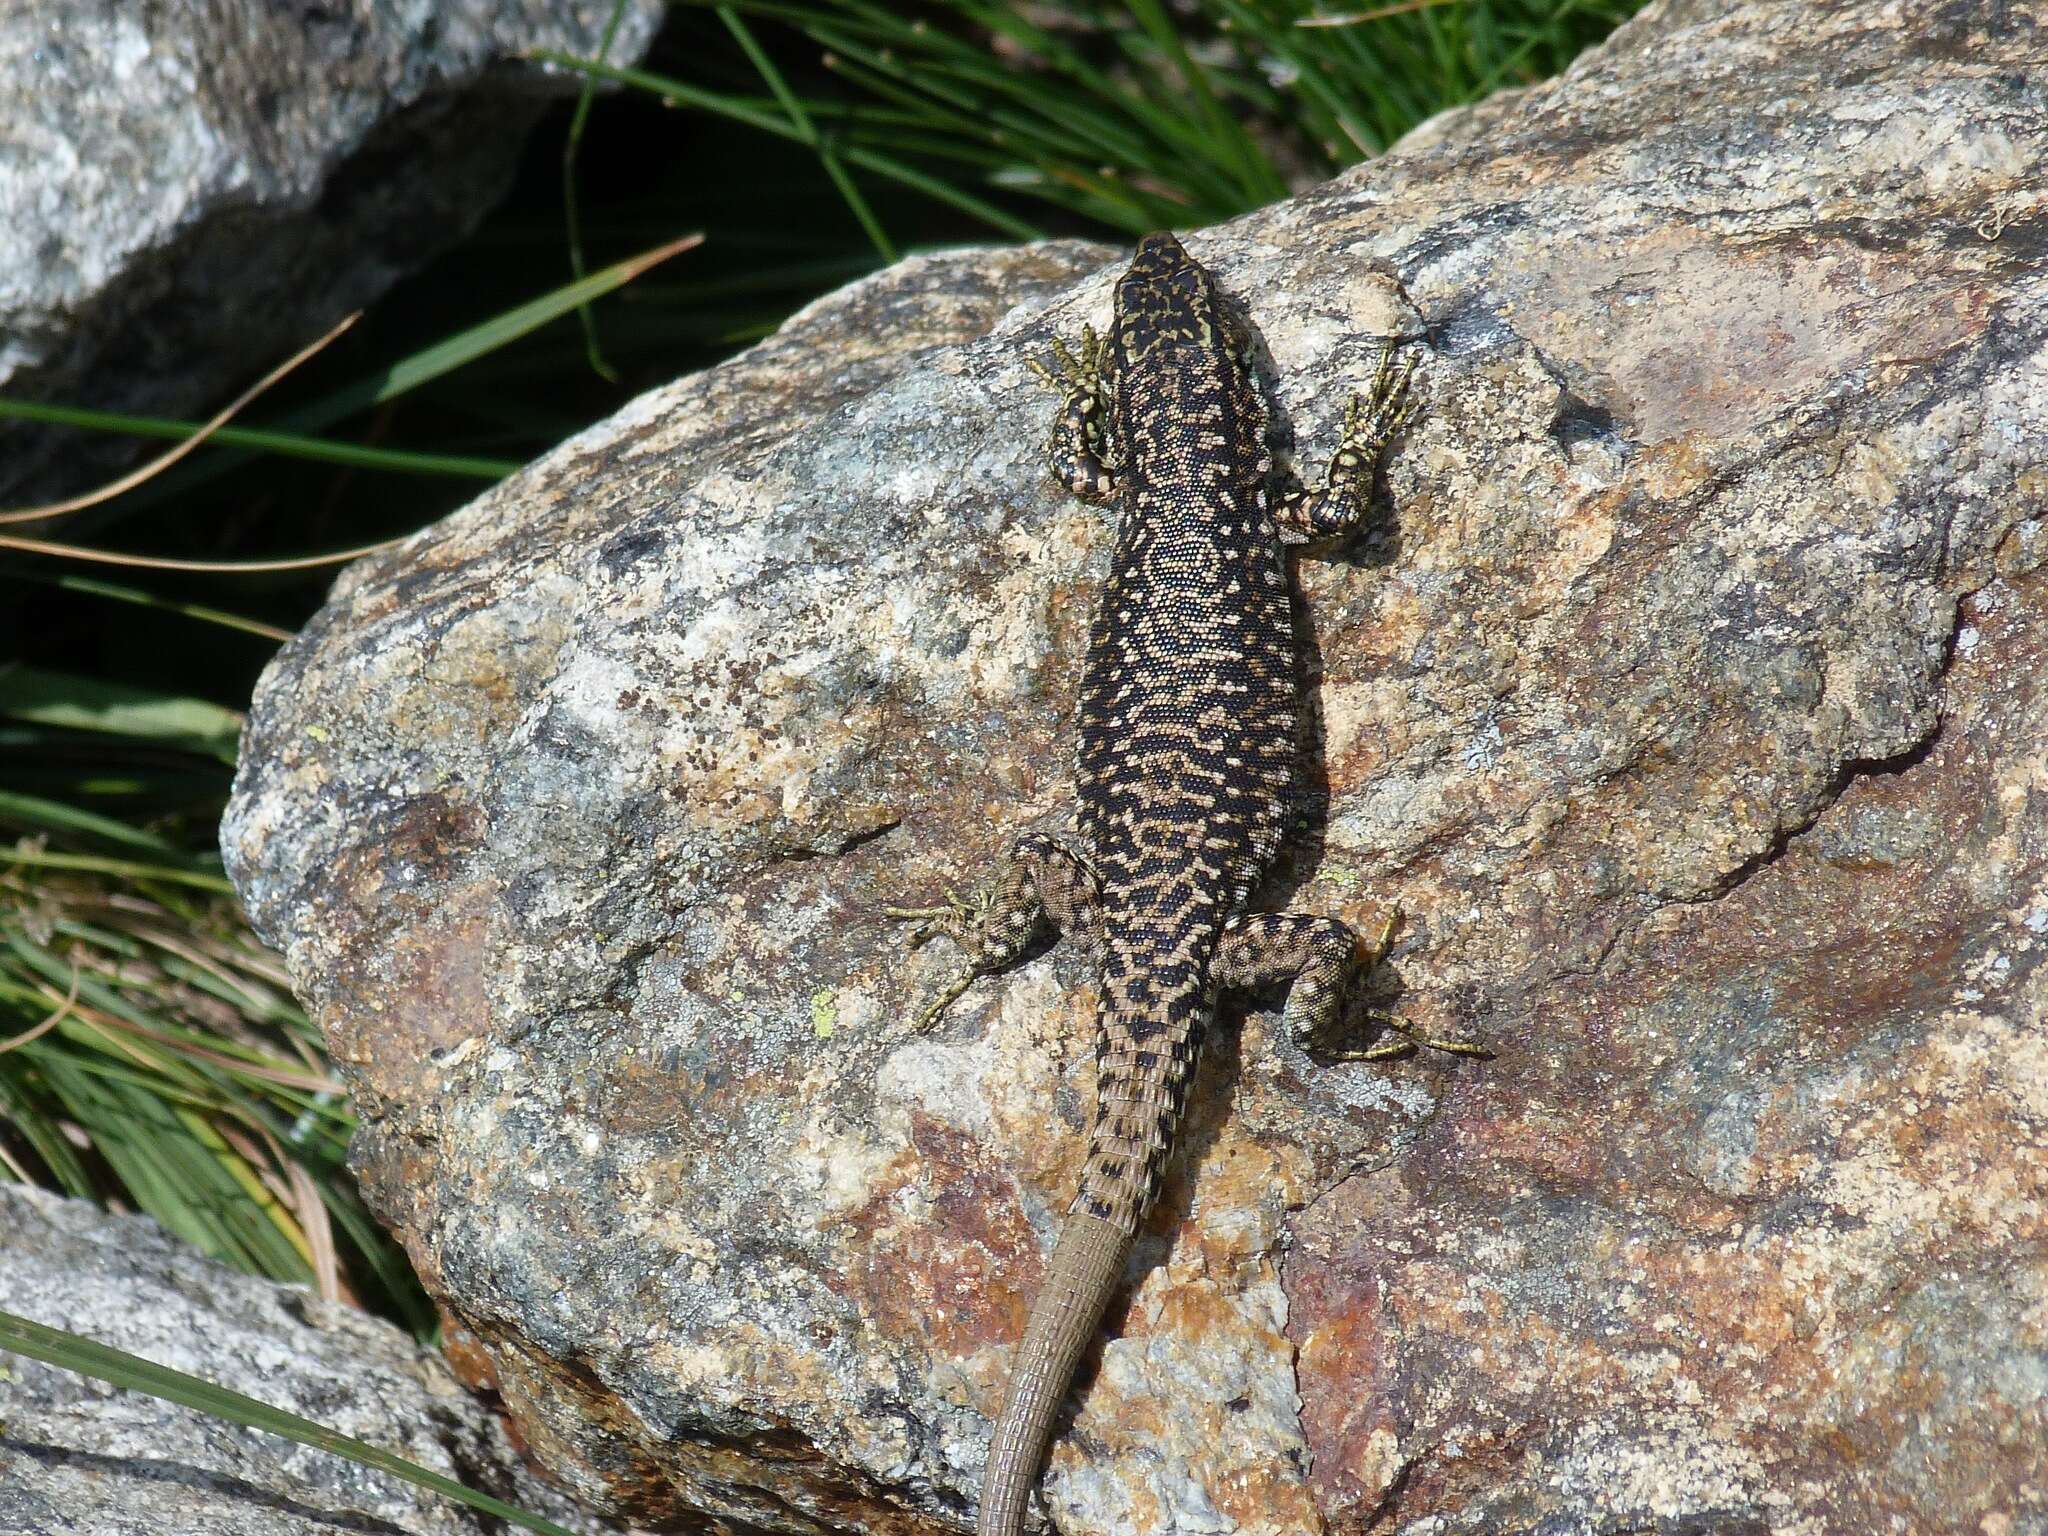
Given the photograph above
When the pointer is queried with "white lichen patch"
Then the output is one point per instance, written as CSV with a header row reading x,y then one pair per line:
x,y
1667,1475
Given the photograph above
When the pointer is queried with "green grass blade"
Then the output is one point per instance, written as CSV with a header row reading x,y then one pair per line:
x,y
90,704
93,587
117,868
33,813
883,165
1053,178
1154,145
1311,90
266,1226
1229,144
940,191
673,92
118,1368
19,1109
162,1144
1509,66
290,444
828,157
574,223
424,366
385,1262
791,104
127,1129
466,346
1079,135
1185,151
793,108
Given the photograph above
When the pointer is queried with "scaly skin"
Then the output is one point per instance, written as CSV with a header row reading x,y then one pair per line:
x,y
1190,715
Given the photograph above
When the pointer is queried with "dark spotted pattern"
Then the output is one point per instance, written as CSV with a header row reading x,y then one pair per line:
x,y
1189,709
1189,719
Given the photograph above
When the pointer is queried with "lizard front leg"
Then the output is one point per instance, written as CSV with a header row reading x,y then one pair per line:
x,y
1045,881
1080,453
1325,958
1339,505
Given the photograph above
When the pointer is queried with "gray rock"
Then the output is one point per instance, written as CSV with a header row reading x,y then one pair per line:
x,y
1689,702
79,1456
190,192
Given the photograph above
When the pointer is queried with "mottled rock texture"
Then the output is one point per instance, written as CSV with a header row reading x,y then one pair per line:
x,y
1690,700
78,1456
190,191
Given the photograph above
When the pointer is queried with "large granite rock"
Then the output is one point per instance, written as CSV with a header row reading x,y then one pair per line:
x,y
1689,701
78,1456
190,192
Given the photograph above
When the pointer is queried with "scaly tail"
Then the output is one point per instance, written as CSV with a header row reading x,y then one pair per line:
x,y
1086,1266
1149,1036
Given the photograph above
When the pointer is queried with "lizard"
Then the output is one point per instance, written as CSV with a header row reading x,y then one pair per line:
x,y
1185,771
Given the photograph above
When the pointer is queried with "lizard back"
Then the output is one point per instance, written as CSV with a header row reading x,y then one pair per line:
x,y
1189,703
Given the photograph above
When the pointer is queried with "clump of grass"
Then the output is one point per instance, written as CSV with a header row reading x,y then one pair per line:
x,y
151,1055
1126,117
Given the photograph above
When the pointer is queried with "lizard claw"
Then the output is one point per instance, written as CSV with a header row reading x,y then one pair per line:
x,y
929,1014
1371,420
1409,1042
1072,372
956,919
1408,1039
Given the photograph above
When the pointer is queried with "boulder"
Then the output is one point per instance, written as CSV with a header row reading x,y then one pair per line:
x,y
189,193
77,1455
1688,701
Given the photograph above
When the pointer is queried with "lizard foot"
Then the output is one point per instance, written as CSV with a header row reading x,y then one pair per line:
x,y
1372,419
1043,880
1340,506
957,920
961,919
1410,1039
1317,1017
1076,374
1077,451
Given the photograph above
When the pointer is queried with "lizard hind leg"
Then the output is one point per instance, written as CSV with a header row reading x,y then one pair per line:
x,y
1326,959
1044,881
1078,452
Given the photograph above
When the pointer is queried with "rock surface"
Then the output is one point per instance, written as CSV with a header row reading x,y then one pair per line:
x,y
1689,702
79,1456
188,193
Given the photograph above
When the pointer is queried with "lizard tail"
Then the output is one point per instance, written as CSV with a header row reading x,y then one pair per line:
x,y
1086,1266
1146,1048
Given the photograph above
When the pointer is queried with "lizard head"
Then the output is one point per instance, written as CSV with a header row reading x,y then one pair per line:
x,y
1178,343
1160,257
1167,298
1168,309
